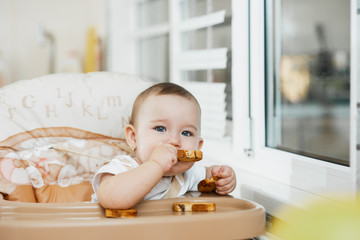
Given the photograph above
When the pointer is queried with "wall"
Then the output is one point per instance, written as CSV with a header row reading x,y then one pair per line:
x,y
69,22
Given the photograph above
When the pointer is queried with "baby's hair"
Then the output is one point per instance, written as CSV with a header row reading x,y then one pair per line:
x,y
165,88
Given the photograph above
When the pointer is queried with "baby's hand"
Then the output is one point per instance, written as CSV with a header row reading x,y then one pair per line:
x,y
165,155
227,179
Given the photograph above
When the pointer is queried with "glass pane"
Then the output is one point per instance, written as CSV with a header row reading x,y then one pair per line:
x,y
308,78
195,8
218,36
154,56
152,12
194,40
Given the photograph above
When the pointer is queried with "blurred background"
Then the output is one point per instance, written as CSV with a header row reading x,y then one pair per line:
x,y
39,37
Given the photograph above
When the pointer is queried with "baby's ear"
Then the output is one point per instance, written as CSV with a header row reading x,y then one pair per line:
x,y
130,136
201,141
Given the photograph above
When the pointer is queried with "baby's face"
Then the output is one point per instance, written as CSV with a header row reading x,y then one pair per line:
x,y
168,119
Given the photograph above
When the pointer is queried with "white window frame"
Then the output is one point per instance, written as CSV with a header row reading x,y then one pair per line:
x,y
311,175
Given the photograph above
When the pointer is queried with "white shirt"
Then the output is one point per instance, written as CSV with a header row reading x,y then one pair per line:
x,y
123,163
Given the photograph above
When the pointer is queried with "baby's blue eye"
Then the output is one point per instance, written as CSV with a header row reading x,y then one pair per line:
x,y
160,129
186,133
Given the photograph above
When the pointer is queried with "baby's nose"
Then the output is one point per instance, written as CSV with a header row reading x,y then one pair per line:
x,y
174,140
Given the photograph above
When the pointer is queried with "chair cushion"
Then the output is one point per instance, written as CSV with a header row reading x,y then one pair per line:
x,y
85,113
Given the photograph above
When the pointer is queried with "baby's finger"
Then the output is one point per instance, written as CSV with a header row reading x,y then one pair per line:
x,y
228,185
222,191
219,171
174,160
225,189
171,147
215,171
226,172
223,181
222,188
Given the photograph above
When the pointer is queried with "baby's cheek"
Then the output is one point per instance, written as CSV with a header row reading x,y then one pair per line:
x,y
142,154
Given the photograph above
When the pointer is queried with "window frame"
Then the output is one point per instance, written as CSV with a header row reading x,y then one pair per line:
x,y
309,174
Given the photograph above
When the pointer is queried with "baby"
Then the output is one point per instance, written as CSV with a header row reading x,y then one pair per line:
x,y
165,118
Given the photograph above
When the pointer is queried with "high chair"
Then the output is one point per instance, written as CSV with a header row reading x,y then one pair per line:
x,y
56,131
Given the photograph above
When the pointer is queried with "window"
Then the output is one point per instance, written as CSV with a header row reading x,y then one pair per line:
x,y
308,78
153,40
277,124
189,42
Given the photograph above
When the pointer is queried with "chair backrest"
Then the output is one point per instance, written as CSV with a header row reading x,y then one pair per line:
x,y
84,113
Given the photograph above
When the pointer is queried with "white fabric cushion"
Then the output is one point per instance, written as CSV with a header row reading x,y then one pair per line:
x,y
98,102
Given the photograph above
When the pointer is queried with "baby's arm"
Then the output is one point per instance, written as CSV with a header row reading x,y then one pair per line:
x,y
125,190
227,178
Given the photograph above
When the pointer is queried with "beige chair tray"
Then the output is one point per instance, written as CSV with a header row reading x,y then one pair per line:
x,y
233,219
